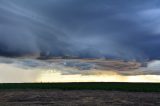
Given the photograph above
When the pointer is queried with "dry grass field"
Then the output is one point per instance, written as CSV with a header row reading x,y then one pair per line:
x,y
77,98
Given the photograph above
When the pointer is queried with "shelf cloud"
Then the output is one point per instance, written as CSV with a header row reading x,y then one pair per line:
x,y
123,29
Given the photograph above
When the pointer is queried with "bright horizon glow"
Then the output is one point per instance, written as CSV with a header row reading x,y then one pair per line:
x,y
57,77
11,74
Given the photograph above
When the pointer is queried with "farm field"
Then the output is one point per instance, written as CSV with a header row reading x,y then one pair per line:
x,y
75,94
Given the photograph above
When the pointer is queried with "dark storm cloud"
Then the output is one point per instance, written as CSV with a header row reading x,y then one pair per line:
x,y
86,28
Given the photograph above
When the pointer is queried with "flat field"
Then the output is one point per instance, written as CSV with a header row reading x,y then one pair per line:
x,y
112,86
80,94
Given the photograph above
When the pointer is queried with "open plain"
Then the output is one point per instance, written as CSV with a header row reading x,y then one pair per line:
x,y
77,98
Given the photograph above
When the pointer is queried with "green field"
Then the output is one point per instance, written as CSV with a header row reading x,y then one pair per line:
x,y
138,87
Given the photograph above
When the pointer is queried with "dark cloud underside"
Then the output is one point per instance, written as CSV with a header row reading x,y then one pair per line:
x,y
87,28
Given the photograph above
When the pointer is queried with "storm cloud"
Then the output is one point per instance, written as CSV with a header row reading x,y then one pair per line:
x,y
85,28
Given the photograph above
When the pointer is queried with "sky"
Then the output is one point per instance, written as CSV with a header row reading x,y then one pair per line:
x,y
33,70
127,29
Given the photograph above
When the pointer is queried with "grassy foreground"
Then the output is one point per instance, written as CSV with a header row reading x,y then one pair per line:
x,y
138,87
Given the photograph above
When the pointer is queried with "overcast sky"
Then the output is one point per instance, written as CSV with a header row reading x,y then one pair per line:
x,y
92,28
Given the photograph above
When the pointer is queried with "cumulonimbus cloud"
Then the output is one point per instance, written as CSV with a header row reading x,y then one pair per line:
x,y
81,28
